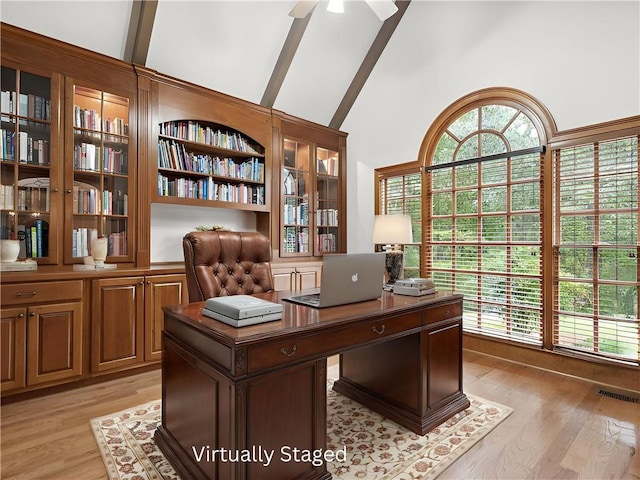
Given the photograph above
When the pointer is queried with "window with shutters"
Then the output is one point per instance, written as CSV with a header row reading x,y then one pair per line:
x,y
596,248
400,192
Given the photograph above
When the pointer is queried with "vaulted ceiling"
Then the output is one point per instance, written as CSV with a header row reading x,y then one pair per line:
x,y
312,67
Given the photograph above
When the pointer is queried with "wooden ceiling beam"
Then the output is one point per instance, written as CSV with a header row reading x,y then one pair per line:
x,y
285,58
143,15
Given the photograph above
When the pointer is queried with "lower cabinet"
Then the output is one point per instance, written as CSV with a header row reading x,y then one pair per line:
x,y
296,276
127,318
41,327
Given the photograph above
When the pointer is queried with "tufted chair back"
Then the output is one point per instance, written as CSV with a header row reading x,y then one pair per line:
x,y
220,263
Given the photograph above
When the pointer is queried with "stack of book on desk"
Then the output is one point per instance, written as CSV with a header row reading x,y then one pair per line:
x,y
242,310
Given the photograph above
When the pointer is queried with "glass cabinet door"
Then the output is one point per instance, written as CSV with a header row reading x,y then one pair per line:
x,y
26,163
98,195
327,198
295,185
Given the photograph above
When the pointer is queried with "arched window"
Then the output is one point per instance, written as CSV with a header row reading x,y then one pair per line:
x,y
482,211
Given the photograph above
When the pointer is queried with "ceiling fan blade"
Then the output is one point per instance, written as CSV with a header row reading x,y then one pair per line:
x,y
302,8
382,8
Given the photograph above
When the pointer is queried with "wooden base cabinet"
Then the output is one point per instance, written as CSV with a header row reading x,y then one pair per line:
x,y
296,277
41,333
127,318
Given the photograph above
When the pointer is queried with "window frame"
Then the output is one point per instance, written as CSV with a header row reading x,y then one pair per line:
x,y
552,139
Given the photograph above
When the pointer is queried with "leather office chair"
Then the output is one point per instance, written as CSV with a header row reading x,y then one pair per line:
x,y
220,263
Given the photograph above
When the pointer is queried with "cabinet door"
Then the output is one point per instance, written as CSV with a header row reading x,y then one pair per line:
x,y
54,342
160,291
29,161
12,348
295,237
309,278
98,187
117,321
283,279
328,192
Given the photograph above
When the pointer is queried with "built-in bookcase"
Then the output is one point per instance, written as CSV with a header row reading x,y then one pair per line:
x,y
98,195
26,155
209,164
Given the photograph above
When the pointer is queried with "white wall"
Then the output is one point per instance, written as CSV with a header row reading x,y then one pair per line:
x,y
169,223
580,59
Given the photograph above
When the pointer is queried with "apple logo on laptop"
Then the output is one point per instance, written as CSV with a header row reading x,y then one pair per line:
x,y
354,277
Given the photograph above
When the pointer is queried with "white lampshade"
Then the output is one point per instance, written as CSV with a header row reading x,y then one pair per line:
x,y
392,230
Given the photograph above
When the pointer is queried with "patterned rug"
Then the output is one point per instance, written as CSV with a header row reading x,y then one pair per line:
x,y
377,448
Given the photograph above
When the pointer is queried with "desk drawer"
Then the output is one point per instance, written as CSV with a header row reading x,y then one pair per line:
x,y
357,335
442,312
38,292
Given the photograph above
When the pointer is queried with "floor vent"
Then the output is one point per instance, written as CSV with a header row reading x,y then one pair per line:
x,y
618,396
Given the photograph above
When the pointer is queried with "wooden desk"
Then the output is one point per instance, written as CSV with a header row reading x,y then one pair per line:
x,y
246,392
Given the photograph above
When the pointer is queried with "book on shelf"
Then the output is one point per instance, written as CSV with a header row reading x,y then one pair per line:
x,y
6,197
21,234
36,238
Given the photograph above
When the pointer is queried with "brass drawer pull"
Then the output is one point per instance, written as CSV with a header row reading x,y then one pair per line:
x,y
379,332
289,353
31,294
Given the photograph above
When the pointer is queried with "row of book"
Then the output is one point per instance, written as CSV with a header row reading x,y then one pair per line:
x,y
326,242
105,202
327,217
294,213
90,119
27,104
116,244
175,156
208,189
34,239
90,157
29,149
295,241
195,132
33,199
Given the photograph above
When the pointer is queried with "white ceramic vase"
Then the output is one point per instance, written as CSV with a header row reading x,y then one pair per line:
x,y
99,250
9,250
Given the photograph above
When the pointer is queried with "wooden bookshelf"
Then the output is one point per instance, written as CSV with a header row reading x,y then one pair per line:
x,y
210,164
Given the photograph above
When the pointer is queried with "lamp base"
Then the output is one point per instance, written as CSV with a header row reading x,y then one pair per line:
x,y
393,265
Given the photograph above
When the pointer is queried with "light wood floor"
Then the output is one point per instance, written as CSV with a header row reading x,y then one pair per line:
x,y
560,428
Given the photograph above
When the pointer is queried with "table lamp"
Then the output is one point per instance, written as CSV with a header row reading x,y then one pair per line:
x,y
392,231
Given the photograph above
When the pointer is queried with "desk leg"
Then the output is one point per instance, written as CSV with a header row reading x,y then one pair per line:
x,y
204,411
415,380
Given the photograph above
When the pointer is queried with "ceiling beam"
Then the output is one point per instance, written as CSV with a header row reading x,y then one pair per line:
x,y
285,58
143,15
370,60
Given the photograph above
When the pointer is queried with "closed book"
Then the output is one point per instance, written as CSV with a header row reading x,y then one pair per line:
x,y
242,306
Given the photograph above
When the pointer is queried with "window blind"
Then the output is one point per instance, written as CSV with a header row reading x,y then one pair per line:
x,y
485,242
597,248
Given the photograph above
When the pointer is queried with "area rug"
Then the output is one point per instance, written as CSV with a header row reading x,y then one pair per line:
x,y
377,448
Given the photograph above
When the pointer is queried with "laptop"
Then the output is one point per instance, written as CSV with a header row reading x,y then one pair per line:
x,y
346,278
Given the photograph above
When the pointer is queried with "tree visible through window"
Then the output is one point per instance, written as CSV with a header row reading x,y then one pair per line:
x,y
484,220
538,229
596,233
